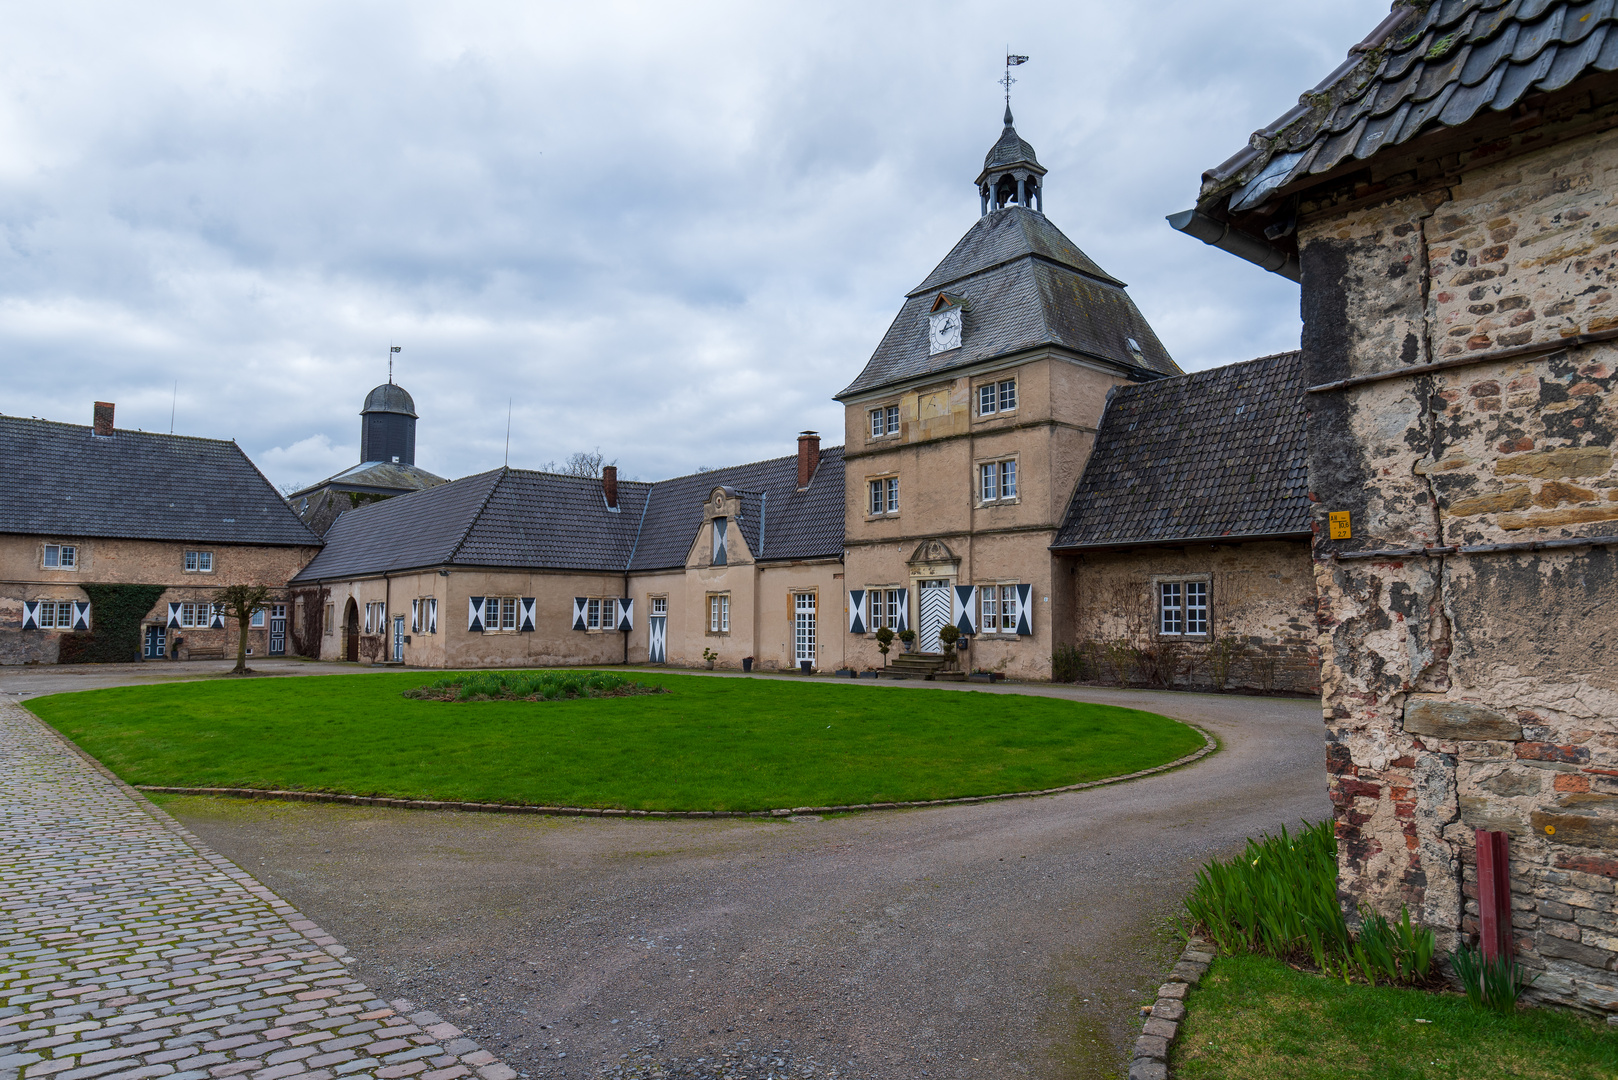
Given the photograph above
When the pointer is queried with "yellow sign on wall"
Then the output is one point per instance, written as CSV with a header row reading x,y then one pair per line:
x,y
1340,529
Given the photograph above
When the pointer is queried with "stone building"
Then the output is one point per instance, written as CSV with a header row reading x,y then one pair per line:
x,y
1447,193
969,426
114,544
1186,544
516,567
387,462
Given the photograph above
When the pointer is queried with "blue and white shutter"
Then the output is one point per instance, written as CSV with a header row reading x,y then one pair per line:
x,y
1025,609
474,614
720,558
174,616
217,621
856,611
904,609
30,614
415,616
966,601
432,614
525,617
579,604
81,615
626,614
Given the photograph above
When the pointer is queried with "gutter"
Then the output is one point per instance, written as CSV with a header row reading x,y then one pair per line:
x,y
1210,230
1116,545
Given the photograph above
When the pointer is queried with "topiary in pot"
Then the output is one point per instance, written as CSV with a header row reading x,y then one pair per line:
x,y
909,639
884,642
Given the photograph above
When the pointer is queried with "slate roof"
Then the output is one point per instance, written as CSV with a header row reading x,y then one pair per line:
x,y
389,398
61,480
1010,149
375,476
521,519
1423,67
1026,286
797,524
1211,454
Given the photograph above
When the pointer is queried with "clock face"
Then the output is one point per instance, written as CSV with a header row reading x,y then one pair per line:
x,y
944,332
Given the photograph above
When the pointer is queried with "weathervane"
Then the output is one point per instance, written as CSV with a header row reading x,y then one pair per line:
x,y
391,350
1012,60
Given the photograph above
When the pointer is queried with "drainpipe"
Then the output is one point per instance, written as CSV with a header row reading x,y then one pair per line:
x,y
387,613
1212,231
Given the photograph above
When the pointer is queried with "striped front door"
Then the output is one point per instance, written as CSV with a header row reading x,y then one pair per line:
x,y
934,612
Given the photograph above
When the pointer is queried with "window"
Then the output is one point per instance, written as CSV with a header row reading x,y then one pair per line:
x,y
885,495
886,608
884,421
660,605
803,626
1182,608
61,557
997,397
592,614
998,608
997,480
199,616
199,562
257,619
376,618
718,613
56,614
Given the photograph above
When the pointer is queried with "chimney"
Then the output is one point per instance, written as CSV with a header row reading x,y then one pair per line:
x,y
808,457
102,425
609,485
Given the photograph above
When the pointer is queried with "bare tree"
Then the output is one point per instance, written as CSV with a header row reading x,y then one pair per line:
x,y
586,463
240,602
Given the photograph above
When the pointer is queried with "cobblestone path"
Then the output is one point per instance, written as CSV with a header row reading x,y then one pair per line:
x,y
129,950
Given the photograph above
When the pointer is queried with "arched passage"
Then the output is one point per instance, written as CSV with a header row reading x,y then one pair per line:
x,y
351,632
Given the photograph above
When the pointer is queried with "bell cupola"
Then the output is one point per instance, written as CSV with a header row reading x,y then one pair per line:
x,y
388,426
1012,175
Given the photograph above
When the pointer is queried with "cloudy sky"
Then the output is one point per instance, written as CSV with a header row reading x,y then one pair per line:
x,y
670,231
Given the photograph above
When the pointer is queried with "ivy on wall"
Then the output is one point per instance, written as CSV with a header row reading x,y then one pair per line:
x,y
116,612
306,636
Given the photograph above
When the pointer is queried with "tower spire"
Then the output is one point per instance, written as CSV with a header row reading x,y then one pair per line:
x,y
1012,174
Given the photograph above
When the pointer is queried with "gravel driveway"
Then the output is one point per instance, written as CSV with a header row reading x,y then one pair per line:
x,y
1001,939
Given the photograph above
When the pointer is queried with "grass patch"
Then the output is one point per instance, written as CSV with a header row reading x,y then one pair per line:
x,y
1255,1018
707,744
530,686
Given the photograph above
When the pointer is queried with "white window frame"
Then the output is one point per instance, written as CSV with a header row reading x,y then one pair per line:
x,y
997,397
659,606
592,613
997,480
882,496
892,483
719,613
55,615
65,556
198,614
883,420
1182,603
997,608
883,608
256,619
805,637
199,562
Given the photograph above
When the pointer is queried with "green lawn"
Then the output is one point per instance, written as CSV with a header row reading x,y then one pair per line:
x,y
709,744
1254,1018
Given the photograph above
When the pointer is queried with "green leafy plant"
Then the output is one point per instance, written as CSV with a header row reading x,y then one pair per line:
x,y
709,655
907,636
1490,984
116,613
1280,898
949,634
884,641
1069,663
530,686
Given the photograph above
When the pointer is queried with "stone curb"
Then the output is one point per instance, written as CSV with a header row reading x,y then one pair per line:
x,y
1208,747
482,1064
1163,1022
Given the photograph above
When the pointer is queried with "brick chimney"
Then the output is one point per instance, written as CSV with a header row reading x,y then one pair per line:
x,y
609,485
808,457
102,424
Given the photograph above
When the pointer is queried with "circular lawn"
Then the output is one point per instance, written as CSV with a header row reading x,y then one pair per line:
x,y
707,744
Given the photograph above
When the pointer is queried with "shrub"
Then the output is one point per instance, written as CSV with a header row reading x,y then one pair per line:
x,y
1222,660
1489,984
1280,898
1069,663
884,639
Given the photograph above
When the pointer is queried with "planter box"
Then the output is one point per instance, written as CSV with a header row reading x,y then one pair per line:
x,y
986,676
847,673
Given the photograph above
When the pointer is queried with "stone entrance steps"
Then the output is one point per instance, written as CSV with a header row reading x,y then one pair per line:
x,y
919,666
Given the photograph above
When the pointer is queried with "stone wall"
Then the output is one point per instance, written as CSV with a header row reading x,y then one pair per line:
x,y
1261,601
1474,689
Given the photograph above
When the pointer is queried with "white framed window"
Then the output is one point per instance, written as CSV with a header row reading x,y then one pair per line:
x,y
884,421
718,613
256,619
885,606
997,397
884,495
61,557
500,613
660,605
997,606
803,626
1182,607
592,614
997,480
199,562
55,615
194,616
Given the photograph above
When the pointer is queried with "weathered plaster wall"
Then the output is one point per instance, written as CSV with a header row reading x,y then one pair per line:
x,y
103,561
1261,600
1474,690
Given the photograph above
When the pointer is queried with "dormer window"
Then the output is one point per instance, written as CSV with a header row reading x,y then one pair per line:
x,y
944,323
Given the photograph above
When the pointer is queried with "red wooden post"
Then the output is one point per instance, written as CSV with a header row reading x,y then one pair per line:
x,y
1494,894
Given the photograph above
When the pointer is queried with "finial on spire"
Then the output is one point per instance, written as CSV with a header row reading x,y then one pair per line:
x,y
391,350
1012,60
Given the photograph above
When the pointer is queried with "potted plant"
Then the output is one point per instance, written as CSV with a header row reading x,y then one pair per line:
x,y
908,638
948,636
710,656
884,642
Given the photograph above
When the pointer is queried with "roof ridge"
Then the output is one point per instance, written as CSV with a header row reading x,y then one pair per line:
x,y
472,520
742,465
126,431
570,476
